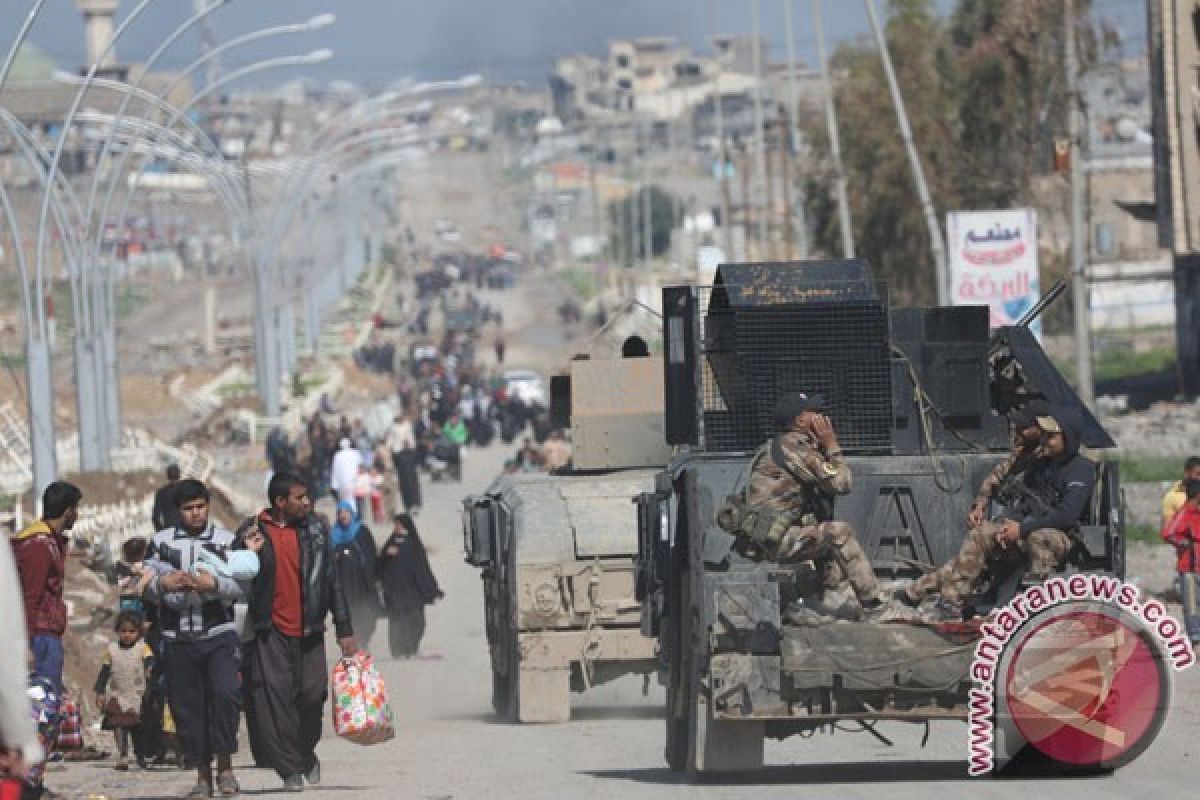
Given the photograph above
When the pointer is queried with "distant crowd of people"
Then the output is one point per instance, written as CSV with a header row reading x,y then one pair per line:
x,y
447,405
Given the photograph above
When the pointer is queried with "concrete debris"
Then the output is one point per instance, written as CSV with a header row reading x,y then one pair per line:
x,y
1164,430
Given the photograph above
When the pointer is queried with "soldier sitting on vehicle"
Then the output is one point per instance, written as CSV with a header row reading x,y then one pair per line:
x,y
785,512
1027,439
1044,506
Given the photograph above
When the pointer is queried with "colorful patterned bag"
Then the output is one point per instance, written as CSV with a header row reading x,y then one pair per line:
x,y
361,712
44,705
70,729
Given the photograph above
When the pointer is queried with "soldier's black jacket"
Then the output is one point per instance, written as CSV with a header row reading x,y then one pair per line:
x,y
1064,484
320,587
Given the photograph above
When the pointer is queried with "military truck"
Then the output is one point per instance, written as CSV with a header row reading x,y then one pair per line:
x,y
556,552
917,397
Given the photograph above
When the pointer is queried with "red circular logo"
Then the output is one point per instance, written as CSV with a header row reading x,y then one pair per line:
x,y
1087,686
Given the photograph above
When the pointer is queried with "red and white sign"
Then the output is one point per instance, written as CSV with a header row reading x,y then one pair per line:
x,y
993,261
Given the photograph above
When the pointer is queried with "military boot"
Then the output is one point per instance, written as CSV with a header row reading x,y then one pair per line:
x,y
820,608
943,610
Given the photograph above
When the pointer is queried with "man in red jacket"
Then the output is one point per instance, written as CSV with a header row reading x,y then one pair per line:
x,y
1183,531
40,551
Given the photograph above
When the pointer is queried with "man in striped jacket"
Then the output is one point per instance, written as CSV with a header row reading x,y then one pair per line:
x,y
203,650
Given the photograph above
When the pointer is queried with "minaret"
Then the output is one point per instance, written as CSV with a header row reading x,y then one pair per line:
x,y
98,30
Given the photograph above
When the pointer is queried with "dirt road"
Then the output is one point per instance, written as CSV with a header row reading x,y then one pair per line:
x,y
449,746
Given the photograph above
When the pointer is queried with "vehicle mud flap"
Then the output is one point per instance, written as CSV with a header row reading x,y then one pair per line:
x,y
679,693
543,695
502,696
722,746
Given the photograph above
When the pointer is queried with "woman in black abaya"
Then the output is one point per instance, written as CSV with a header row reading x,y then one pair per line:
x,y
408,586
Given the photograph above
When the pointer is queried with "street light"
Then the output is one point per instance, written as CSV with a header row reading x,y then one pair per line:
x,y
132,89
38,378
313,23
98,410
34,10
156,141
180,114
265,271
313,57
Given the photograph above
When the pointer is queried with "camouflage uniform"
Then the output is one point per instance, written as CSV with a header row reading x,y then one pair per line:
x,y
1016,462
1043,549
806,479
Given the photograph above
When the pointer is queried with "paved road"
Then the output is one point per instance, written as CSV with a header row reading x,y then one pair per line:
x,y
449,746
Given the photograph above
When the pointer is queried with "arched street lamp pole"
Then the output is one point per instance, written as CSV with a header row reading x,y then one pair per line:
x,y
38,374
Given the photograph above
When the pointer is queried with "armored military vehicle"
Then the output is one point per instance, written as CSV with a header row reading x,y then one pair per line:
x,y
917,397
556,552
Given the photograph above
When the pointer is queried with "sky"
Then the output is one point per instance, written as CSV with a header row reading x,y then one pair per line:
x,y
379,41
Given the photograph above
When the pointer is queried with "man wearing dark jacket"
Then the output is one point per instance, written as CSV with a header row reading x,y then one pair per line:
x,y
1053,494
40,551
166,511
296,587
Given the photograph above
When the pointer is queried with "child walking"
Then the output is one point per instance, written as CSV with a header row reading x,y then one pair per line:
x,y
121,684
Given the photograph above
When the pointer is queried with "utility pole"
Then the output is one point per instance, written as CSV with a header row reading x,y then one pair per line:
x,y
1079,281
722,151
208,42
835,145
789,235
630,205
792,137
760,145
937,243
642,254
743,168
594,191
769,143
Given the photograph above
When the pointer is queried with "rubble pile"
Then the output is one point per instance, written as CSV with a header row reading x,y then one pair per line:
x,y
1165,430
91,610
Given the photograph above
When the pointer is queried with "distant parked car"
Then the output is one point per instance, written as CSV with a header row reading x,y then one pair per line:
x,y
447,231
526,385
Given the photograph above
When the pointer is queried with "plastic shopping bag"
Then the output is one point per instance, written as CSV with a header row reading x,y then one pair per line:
x,y
361,712
70,725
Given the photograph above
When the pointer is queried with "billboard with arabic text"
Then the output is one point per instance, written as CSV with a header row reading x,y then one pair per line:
x,y
994,262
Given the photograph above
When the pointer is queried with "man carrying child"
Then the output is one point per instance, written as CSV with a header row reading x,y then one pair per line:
x,y
194,582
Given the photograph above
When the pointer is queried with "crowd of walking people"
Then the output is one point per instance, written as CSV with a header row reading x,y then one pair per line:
x,y
211,625
444,404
